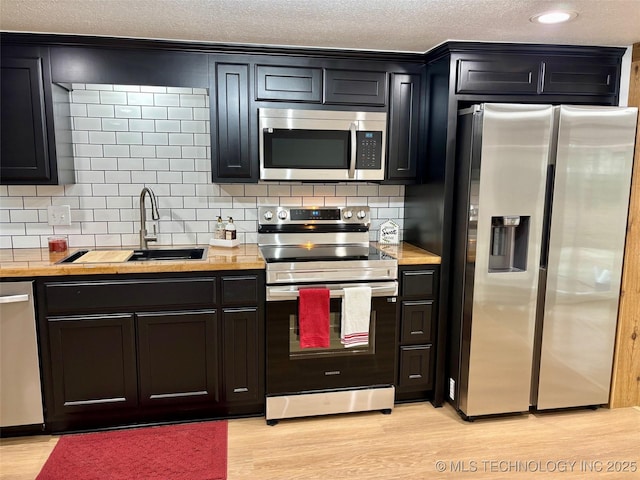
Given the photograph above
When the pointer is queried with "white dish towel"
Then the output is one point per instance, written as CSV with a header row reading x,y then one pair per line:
x,y
356,312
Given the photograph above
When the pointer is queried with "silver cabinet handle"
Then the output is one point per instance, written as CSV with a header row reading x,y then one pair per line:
x,y
354,149
15,298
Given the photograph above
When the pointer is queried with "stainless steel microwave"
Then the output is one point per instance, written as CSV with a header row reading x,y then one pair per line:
x,y
321,145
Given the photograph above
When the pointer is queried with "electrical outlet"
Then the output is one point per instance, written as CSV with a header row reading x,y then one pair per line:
x,y
59,215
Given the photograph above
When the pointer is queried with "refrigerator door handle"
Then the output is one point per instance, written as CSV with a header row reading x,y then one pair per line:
x,y
546,225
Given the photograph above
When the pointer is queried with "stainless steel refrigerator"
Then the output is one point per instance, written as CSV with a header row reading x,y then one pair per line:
x,y
542,195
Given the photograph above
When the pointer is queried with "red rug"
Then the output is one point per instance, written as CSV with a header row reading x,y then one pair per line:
x,y
190,451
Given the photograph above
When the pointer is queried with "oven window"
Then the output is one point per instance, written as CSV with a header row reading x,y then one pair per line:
x,y
317,149
335,346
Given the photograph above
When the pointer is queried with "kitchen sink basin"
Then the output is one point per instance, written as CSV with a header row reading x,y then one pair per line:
x,y
139,255
167,254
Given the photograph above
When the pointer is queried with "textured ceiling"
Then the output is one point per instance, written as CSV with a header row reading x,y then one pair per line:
x,y
395,25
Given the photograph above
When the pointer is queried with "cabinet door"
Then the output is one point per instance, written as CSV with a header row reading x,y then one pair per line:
x,y
23,136
291,84
417,322
417,283
230,125
177,356
415,367
507,74
353,87
404,122
593,78
93,363
243,355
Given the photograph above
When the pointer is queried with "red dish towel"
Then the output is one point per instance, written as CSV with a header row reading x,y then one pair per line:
x,y
313,317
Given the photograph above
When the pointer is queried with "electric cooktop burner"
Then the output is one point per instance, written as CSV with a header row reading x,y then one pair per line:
x,y
304,253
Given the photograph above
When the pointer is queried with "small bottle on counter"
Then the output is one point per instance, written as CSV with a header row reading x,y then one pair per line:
x,y
230,230
220,231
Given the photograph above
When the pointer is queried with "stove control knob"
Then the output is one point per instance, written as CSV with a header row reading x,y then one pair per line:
x,y
268,215
282,214
347,214
361,214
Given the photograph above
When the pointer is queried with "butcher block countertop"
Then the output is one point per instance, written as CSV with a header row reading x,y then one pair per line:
x,y
38,262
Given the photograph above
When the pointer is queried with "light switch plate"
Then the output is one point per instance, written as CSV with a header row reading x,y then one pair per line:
x,y
59,215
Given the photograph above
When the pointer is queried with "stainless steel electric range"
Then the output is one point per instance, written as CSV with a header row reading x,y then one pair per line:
x,y
326,248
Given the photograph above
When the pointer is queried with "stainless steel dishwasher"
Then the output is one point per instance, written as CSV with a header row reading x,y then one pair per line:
x,y
20,391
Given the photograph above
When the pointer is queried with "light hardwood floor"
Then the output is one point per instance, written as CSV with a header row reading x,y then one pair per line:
x,y
408,444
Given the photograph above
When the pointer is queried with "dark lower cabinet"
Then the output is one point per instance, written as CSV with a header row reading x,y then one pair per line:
x,y
93,363
243,355
418,329
177,357
128,349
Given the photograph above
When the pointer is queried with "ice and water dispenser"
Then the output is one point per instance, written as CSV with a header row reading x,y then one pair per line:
x,y
509,243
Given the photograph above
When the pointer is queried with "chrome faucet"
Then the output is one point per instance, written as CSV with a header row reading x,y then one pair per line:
x,y
144,237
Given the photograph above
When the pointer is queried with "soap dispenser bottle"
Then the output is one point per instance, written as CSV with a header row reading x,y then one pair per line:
x,y
219,232
230,230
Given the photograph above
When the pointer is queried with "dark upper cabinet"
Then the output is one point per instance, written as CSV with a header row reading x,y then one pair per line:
x,y
232,154
404,127
580,78
503,74
35,137
291,84
351,87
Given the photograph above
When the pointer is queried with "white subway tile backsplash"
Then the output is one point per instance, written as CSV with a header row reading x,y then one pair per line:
x,y
100,110
127,111
115,151
167,100
134,98
154,113
129,138
98,86
115,124
126,137
167,125
179,113
113,98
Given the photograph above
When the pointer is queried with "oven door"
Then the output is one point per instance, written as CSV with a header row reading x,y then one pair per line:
x,y
291,369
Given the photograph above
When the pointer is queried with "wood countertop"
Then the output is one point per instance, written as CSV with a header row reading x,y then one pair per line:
x,y
38,262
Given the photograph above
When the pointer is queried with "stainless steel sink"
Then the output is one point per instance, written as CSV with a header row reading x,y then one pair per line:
x,y
168,254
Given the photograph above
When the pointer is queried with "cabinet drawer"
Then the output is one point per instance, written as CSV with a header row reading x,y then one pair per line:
x,y
355,88
418,283
417,323
289,83
577,78
240,290
510,74
126,295
415,367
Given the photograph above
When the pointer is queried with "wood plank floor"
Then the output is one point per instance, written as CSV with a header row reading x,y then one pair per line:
x,y
408,444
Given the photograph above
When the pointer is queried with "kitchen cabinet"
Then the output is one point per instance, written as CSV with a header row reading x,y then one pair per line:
x,y
354,87
35,141
418,327
177,357
93,363
291,84
119,349
404,127
233,158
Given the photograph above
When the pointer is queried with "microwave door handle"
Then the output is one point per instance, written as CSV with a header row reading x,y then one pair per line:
x,y
352,163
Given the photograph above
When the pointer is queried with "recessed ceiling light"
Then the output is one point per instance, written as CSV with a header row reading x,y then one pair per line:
x,y
558,16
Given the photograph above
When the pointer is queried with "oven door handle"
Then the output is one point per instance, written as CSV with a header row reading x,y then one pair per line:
x,y
291,292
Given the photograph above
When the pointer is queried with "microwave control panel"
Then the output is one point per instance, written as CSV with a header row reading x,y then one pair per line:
x,y
369,150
